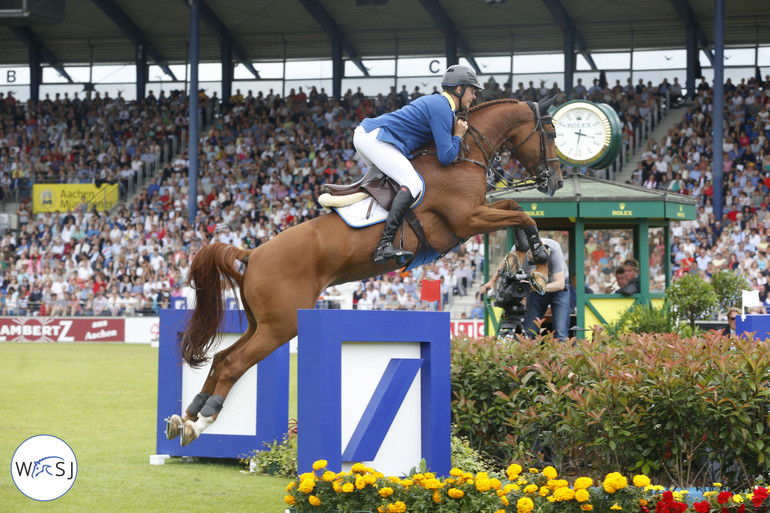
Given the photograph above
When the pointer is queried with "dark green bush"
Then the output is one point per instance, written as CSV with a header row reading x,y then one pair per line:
x,y
686,411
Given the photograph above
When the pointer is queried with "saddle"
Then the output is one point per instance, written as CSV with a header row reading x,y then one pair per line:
x,y
382,189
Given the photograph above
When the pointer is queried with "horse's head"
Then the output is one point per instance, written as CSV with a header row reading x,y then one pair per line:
x,y
535,147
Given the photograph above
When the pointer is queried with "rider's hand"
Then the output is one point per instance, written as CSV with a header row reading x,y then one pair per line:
x,y
461,126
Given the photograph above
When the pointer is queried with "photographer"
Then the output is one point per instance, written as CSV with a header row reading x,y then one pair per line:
x,y
556,291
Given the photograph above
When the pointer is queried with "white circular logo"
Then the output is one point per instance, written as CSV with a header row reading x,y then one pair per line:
x,y
44,467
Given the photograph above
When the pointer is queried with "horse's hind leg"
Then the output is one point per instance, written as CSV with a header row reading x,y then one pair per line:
x,y
264,341
175,423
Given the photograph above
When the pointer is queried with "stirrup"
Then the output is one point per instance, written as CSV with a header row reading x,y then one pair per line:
x,y
388,251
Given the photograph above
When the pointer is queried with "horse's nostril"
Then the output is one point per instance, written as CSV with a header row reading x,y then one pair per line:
x,y
559,184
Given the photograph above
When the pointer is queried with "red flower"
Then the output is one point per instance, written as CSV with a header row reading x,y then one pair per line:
x,y
723,497
760,494
702,507
668,497
742,508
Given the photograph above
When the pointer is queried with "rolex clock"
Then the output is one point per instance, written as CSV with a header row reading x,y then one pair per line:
x,y
587,134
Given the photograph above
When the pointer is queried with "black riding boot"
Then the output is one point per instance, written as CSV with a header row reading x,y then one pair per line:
x,y
385,250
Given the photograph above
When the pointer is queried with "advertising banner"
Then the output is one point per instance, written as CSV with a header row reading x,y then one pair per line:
x,y
62,329
63,197
472,327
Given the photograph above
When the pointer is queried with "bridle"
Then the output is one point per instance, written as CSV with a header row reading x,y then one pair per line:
x,y
541,173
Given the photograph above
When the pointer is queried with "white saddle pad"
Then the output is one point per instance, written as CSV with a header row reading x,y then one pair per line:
x,y
357,215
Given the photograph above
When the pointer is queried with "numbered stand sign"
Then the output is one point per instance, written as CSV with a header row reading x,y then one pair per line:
x,y
374,387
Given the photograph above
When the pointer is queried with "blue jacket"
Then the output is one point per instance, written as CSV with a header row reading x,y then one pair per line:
x,y
428,118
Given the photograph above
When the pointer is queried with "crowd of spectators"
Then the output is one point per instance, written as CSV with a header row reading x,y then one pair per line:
x,y
262,164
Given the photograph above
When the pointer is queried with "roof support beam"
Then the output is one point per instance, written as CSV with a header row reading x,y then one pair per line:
x,y
133,33
686,14
452,35
225,37
40,52
327,23
563,19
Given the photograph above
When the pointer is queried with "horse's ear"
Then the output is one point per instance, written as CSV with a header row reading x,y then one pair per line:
x,y
546,102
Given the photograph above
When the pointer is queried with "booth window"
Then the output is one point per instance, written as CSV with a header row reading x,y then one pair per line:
x,y
605,251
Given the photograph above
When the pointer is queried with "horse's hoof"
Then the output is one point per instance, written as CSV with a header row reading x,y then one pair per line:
x,y
173,427
538,282
189,434
512,264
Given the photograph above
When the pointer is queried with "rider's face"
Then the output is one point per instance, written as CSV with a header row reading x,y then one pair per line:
x,y
467,99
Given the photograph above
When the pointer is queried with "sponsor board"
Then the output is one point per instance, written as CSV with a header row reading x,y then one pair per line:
x,y
56,329
471,327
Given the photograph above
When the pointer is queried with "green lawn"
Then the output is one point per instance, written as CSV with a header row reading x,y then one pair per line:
x,y
101,399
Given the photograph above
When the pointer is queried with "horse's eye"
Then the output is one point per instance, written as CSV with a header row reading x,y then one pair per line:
x,y
552,135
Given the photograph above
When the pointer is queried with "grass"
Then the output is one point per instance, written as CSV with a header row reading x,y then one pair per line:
x,y
101,399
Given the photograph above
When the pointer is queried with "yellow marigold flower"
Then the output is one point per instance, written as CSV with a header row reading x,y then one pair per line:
x,y
386,491
513,470
616,507
558,483
455,493
455,472
582,495
329,476
358,468
531,488
307,476
544,491
500,510
524,505
306,486
370,479
614,482
318,465
583,482
436,496
382,509
564,494
430,475
406,483
737,498
450,481
586,507
640,480
533,471
521,481
709,494
717,485
469,481
505,500
337,485
348,487
397,507
289,500
495,483
482,482
393,479
418,477
515,487
509,487
643,502
550,472
551,499
290,486
360,483
468,476
432,484
314,501
679,495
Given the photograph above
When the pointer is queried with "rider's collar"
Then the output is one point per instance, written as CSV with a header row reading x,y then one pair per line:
x,y
451,100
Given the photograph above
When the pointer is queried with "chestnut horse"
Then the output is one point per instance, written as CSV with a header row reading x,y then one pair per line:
x,y
290,271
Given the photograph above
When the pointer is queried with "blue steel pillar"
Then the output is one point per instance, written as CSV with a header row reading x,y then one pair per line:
x,y
142,71
35,72
338,67
719,90
569,60
192,203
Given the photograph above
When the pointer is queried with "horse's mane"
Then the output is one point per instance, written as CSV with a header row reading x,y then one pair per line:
x,y
490,103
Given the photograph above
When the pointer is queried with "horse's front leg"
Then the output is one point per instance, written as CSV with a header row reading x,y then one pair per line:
x,y
525,233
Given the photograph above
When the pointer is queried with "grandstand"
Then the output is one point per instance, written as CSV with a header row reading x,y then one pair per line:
x,y
264,156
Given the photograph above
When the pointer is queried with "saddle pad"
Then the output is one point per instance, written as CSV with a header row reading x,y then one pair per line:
x,y
355,215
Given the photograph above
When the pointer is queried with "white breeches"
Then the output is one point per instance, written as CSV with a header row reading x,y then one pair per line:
x,y
387,158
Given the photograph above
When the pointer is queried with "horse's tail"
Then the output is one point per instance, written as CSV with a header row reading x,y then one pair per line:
x,y
212,263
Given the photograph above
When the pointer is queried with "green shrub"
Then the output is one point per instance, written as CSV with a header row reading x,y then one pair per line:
x,y
728,286
686,411
644,318
277,459
692,298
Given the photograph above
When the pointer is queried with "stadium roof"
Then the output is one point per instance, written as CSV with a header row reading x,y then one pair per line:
x,y
106,31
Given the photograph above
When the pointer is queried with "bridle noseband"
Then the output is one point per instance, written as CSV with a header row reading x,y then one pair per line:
x,y
541,172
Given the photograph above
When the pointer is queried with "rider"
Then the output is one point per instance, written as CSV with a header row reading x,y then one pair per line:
x,y
387,142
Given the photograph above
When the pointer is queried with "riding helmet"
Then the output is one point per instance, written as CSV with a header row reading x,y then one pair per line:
x,y
460,75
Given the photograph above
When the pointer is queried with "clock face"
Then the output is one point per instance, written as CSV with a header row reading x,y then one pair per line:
x,y
583,133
